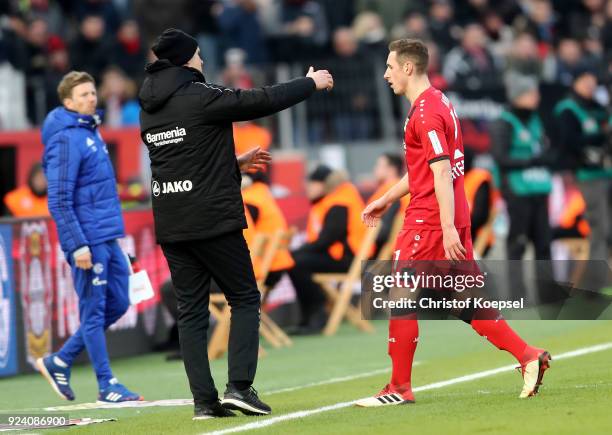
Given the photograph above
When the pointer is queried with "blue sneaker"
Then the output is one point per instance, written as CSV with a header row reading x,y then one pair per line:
x,y
116,392
58,375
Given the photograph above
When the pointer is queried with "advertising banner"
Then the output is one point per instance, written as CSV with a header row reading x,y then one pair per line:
x,y
8,334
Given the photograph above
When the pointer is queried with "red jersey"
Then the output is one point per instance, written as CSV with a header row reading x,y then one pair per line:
x,y
432,133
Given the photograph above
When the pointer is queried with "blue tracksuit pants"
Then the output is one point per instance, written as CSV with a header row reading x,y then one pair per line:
x,y
103,299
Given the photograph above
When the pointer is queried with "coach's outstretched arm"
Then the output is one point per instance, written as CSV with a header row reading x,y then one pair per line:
x,y
376,209
231,105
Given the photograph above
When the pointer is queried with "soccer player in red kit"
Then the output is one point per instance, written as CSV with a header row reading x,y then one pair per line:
x,y
437,221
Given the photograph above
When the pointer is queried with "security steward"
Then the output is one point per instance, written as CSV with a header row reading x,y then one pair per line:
x,y
520,150
186,124
584,136
267,219
334,233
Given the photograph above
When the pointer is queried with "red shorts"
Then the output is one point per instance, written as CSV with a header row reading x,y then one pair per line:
x,y
428,244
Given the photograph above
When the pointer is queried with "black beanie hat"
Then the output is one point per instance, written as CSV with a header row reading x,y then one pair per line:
x,y
320,173
176,46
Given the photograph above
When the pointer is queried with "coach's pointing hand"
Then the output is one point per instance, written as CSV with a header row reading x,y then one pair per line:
x,y
322,78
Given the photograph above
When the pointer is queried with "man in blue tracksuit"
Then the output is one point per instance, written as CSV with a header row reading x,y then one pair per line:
x,y
84,203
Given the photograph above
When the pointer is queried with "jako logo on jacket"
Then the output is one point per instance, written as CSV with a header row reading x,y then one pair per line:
x,y
171,187
82,188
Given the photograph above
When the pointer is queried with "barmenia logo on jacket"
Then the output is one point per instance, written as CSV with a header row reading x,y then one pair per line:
x,y
171,187
166,137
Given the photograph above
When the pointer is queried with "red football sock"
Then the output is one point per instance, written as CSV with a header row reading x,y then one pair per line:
x,y
403,339
503,337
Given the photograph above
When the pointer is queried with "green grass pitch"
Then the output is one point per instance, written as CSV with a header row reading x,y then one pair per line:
x,y
576,396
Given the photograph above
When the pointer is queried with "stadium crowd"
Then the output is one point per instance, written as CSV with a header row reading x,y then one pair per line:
x,y
472,43
511,48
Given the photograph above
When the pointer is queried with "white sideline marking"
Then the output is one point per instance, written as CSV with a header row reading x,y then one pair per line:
x,y
335,380
187,402
453,381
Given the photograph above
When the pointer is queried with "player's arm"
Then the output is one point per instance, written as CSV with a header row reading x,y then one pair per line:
x,y
443,185
374,210
435,147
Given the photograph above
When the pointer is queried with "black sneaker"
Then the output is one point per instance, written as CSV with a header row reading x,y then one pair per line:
x,y
245,401
205,411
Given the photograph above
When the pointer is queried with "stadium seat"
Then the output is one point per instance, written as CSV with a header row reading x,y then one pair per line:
x,y
339,288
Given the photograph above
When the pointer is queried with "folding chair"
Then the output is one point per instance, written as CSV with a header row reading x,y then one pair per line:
x,y
341,298
279,240
386,252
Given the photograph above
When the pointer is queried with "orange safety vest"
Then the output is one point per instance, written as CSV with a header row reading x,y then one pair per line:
x,y
269,221
21,202
573,213
345,195
472,182
383,188
249,235
248,136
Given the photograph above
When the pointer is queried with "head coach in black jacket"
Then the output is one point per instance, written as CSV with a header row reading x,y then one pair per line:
x,y
186,124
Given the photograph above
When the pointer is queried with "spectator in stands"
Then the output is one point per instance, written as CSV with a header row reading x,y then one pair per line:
x,y
299,31
36,43
58,66
334,233
569,56
118,97
584,139
500,34
102,8
338,13
29,200
268,219
91,51
370,31
434,67
540,20
520,150
354,103
606,32
588,21
388,171
240,28
441,24
129,51
235,74
414,25
472,66
523,57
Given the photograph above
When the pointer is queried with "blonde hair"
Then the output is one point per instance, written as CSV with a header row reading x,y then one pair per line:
x,y
70,81
411,49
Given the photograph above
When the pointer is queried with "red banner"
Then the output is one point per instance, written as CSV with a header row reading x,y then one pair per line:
x,y
47,299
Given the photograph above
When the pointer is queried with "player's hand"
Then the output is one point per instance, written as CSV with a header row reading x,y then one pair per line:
x,y
453,249
373,212
83,261
322,78
254,159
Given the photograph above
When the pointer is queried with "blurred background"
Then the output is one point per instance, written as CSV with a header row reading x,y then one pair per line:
x,y
484,55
